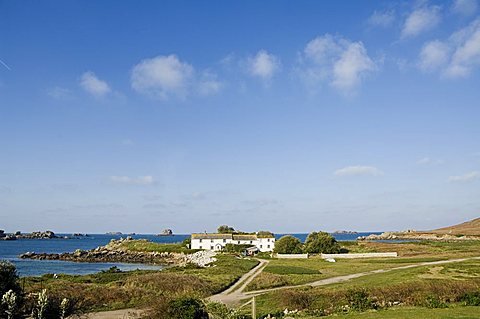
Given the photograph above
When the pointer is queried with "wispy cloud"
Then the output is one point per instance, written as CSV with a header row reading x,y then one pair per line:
x,y
5,65
335,60
166,76
263,65
358,170
93,85
422,19
465,7
59,93
456,57
140,180
208,84
429,161
433,55
381,19
469,177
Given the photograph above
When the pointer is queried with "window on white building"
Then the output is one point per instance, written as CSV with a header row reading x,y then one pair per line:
x,y
200,240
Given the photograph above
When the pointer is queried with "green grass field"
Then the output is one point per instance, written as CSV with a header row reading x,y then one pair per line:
x,y
458,312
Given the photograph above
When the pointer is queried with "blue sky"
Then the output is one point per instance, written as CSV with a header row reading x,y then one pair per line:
x,y
280,115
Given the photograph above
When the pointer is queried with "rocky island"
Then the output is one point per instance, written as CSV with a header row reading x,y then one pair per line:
x,y
34,235
166,232
345,232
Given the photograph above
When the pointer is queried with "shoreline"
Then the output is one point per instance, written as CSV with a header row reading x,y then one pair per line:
x,y
408,235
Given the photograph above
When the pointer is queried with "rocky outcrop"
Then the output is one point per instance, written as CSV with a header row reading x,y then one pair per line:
x,y
412,235
113,252
35,235
345,232
166,232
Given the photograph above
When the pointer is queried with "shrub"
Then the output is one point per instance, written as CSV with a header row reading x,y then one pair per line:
x,y
8,278
232,248
186,308
288,245
434,301
359,300
221,311
321,242
295,299
471,298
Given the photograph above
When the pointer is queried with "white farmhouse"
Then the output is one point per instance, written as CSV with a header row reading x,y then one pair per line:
x,y
217,242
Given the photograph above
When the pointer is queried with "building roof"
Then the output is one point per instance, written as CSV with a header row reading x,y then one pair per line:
x,y
244,237
230,236
211,236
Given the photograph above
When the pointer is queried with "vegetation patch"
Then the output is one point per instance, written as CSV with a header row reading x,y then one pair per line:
x,y
285,270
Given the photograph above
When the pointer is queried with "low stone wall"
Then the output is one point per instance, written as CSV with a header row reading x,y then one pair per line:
x,y
364,255
291,256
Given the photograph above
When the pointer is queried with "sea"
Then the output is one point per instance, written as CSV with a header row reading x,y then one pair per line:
x,y
11,249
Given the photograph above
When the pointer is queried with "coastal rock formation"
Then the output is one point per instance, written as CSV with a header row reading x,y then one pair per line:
x,y
113,252
35,235
412,235
166,232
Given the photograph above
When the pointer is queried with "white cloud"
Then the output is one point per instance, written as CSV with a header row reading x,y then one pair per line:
x,y
381,19
420,20
465,7
338,61
140,180
428,161
59,93
162,77
456,57
166,76
208,84
469,177
433,55
93,85
358,170
263,65
466,55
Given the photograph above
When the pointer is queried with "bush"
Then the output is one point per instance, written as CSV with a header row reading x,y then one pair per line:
x,y
321,242
187,308
218,310
8,278
433,301
232,248
295,299
288,245
471,298
359,300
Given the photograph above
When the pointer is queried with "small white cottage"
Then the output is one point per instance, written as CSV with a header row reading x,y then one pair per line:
x,y
217,242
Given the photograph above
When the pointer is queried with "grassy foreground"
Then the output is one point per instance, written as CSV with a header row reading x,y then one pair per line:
x,y
113,290
416,312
